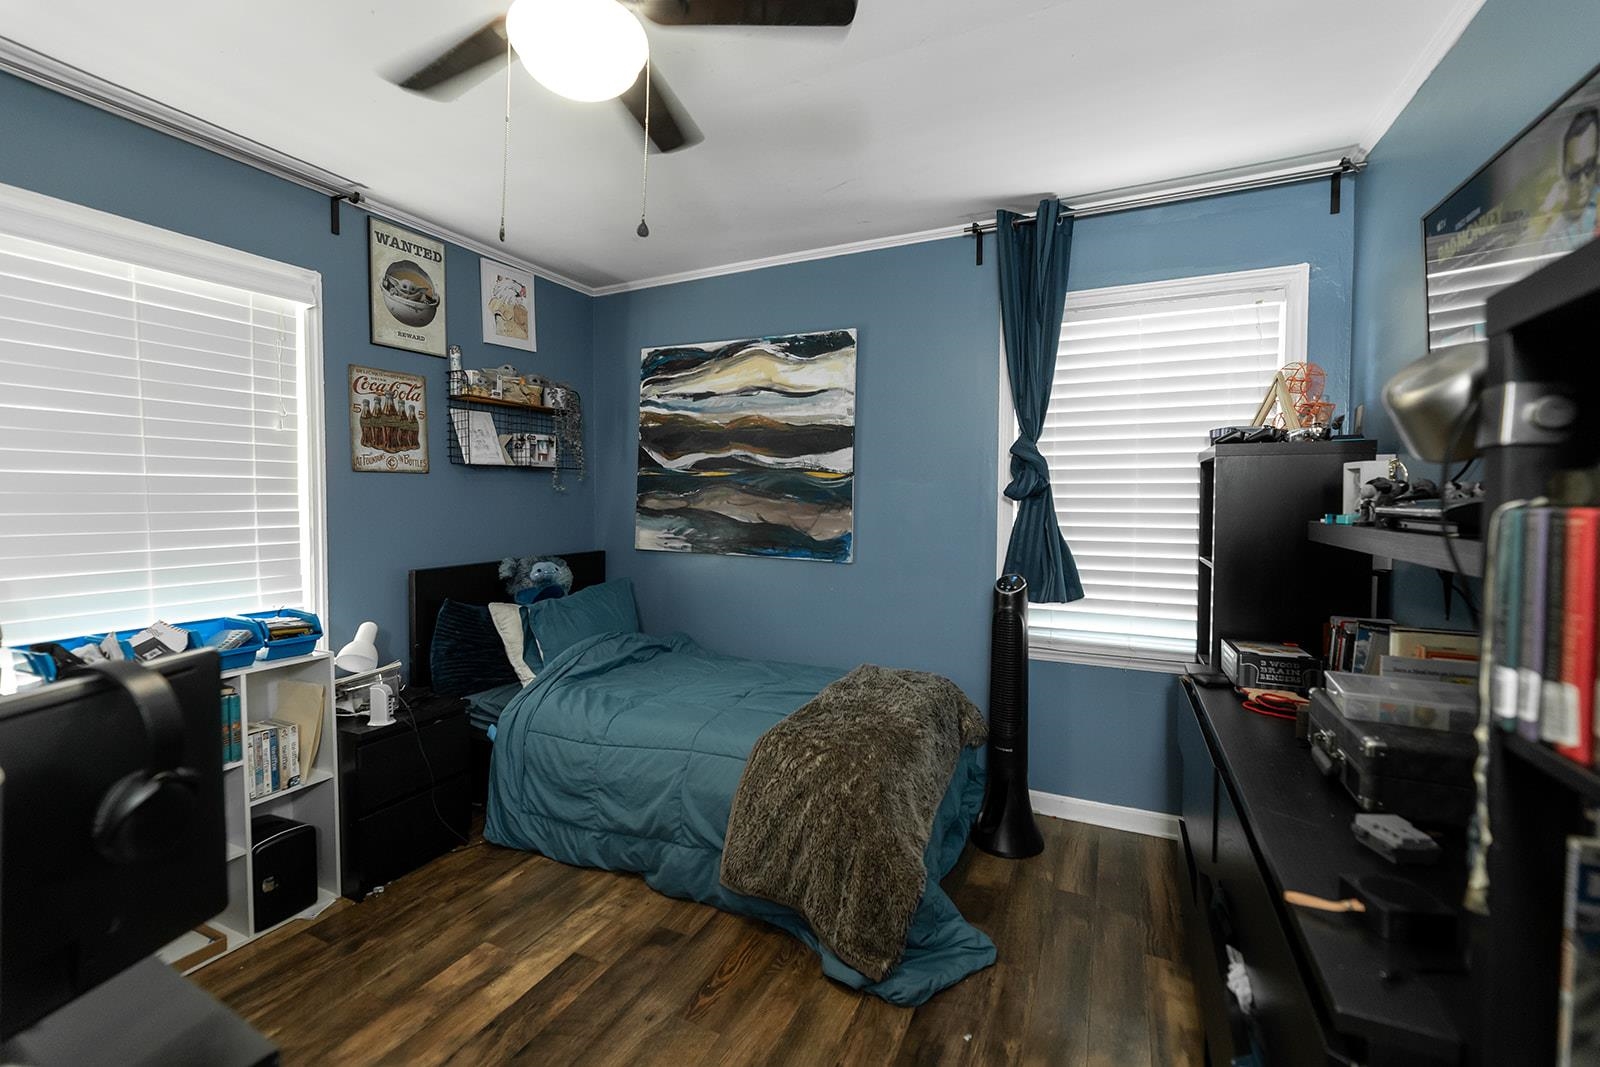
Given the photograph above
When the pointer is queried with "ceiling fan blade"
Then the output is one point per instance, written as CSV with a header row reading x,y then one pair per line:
x,y
473,54
670,125
747,12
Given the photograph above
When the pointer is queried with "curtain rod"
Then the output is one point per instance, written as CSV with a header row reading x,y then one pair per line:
x,y
1195,189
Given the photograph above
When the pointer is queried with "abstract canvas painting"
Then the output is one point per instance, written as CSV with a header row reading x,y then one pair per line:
x,y
748,447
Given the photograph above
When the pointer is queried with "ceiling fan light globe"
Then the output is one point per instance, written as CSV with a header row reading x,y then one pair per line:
x,y
585,50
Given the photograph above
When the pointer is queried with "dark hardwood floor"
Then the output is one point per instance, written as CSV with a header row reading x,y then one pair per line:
x,y
489,955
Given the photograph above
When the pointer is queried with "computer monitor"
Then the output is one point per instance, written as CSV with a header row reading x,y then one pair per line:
x,y
112,826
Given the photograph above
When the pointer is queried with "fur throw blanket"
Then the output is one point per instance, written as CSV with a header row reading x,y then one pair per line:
x,y
836,805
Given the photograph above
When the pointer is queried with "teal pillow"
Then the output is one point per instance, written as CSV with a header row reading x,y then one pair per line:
x,y
600,609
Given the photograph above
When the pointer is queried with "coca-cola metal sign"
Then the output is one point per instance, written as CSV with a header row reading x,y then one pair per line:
x,y
388,421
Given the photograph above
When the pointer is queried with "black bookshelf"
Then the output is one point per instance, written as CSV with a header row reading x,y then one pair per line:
x,y
1425,549
1582,781
1537,329
1257,575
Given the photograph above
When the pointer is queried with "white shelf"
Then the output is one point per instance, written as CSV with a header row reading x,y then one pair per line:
x,y
317,777
325,899
258,686
261,665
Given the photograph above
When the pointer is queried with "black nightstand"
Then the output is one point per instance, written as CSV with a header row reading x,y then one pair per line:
x,y
405,790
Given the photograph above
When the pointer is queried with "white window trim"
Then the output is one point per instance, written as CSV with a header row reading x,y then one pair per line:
x,y
1296,281
83,229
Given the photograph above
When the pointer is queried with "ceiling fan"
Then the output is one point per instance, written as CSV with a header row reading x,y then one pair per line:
x,y
596,50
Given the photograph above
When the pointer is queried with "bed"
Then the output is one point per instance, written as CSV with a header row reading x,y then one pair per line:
x,y
625,753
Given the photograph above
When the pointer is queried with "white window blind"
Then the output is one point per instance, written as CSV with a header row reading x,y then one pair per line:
x,y
155,451
1142,373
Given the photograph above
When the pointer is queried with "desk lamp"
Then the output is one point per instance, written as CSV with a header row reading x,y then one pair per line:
x,y
361,654
1435,400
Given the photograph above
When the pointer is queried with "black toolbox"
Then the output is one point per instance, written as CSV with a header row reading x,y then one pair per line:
x,y
1424,775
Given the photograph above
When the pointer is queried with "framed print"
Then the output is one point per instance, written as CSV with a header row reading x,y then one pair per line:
x,y
405,281
505,300
747,447
388,421
1534,202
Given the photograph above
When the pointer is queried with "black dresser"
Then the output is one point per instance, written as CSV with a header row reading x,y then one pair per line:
x,y
405,790
1259,819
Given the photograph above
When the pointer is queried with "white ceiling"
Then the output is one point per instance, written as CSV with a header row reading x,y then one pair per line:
x,y
922,114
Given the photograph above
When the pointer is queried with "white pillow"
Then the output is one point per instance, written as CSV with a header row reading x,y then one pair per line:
x,y
508,624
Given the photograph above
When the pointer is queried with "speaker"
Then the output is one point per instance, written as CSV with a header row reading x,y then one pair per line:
x,y
1005,825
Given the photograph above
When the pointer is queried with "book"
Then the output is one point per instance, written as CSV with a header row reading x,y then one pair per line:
x,y
225,704
1578,1023
253,763
263,773
1343,633
1454,671
1574,734
287,736
230,724
1530,661
1506,625
1418,642
236,752
269,742
1371,635
1552,712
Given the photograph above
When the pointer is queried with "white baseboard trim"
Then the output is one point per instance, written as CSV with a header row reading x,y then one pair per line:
x,y
1111,816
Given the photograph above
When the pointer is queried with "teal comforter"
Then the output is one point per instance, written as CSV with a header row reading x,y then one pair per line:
x,y
625,753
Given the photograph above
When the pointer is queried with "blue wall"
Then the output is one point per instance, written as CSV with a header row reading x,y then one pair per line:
x,y
379,525
1515,59
927,395
1101,733
927,477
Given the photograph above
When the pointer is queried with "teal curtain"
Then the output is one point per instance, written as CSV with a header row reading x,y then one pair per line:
x,y
1033,293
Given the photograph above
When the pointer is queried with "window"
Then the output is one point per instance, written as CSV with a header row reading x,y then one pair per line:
x,y
160,426
1142,373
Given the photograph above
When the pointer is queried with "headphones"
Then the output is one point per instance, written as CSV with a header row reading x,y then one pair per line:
x,y
146,814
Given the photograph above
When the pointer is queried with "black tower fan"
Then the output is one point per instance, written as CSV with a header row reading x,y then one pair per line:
x,y
1005,825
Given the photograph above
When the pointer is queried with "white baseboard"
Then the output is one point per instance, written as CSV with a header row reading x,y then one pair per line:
x,y
1111,816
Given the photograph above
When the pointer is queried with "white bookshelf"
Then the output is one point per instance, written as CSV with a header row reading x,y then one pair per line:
x,y
314,801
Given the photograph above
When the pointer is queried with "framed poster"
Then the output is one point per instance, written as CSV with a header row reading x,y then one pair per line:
x,y
748,447
505,300
1534,202
388,421
405,281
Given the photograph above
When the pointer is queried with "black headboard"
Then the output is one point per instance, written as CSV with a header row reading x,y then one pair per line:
x,y
474,583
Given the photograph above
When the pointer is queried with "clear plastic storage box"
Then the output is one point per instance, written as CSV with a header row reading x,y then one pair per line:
x,y
1403,701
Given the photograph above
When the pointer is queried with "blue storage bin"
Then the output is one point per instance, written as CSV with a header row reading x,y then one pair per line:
x,y
234,658
294,646
40,665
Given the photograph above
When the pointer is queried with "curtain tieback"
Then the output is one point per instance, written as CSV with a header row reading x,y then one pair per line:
x,y
1030,473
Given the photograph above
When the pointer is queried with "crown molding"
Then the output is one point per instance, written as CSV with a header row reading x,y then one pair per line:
x,y
1438,46
78,84
871,244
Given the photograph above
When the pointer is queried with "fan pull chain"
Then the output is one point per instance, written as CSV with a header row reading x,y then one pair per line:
x,y
505,146
644,178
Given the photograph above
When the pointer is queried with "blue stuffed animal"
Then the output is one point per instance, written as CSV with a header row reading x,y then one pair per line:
x,y
530,579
